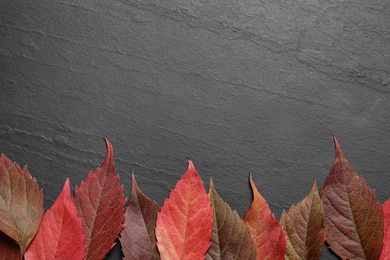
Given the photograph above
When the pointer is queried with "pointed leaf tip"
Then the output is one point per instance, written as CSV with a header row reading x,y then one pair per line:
x,y
190,164
133,181
110,151
256,194
338,151
211,184
353,218
66,186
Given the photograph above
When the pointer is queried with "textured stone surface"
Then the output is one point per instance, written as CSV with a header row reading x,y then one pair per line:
x,y
234,85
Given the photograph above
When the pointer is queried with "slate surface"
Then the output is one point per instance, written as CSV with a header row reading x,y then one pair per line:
x,y
235,85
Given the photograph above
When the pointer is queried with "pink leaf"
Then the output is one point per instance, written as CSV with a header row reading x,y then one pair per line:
x,y
386,231
60,235
184,225
266,231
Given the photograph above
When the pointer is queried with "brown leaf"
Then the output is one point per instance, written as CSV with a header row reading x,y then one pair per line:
x,y
21,203
304,228
137,237
266,231
353,218
231,238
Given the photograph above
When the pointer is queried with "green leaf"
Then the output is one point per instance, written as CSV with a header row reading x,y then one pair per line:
x,y
304,229
231,238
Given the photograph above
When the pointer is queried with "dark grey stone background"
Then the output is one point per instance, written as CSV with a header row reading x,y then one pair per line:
x,y
235,85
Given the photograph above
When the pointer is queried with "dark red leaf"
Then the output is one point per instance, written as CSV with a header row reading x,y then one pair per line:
x,y
353,218
9,249
266,231
60,235
100,203
184,225
386,231
137,237
304,228
21,203
231,238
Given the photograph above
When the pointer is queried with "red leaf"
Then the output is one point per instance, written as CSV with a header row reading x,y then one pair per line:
x,y
386,231
184,225
60,235
100,202
304,228
21,203
266,231
353,218
137,237
9,249
231,238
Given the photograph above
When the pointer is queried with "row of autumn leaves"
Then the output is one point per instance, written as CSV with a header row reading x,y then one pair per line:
x,y
191,224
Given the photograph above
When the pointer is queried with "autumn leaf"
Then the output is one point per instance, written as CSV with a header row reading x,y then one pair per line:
x,y
304,229
231,238
353,218
60,235
385,254
184,225
100,203
9,249
266,231
137,237
21,203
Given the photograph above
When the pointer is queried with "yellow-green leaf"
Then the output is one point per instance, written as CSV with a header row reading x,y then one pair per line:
x,y
304,228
